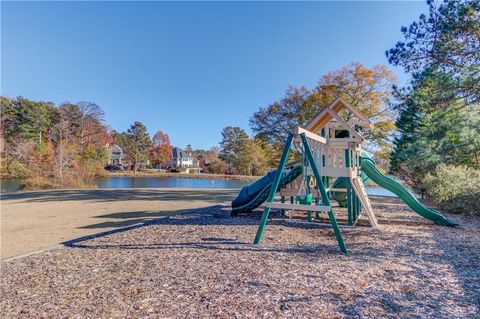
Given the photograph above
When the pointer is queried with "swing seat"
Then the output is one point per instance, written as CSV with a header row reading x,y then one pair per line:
x,y
304,200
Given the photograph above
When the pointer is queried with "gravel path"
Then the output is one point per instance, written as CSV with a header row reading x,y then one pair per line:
x,y
200,264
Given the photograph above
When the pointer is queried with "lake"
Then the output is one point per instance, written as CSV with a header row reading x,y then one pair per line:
x,y
12,185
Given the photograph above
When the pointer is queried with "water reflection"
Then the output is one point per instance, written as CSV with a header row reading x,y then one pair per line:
x,y
12,185
166,182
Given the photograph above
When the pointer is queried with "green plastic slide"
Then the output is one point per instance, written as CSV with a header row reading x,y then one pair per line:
x,y
368,167
252,196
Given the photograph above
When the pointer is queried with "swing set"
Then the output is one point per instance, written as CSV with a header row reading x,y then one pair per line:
x,y
335,153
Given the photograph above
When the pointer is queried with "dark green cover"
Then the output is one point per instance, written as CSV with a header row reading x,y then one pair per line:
x,y
252,196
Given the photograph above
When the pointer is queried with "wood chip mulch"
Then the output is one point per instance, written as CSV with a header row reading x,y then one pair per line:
x,y
201,264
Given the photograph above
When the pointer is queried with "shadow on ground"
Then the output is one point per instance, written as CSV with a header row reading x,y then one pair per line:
x,y
218,215
112,195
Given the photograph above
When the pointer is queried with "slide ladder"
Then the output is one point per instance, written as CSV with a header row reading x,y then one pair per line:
x,y
359,188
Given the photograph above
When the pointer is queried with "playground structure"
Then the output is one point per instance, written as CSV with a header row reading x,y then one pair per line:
x,y
333,167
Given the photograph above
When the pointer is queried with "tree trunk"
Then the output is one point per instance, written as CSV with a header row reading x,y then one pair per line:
x,y
60,158
135,167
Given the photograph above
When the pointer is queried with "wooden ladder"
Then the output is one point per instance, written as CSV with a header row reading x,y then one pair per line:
x,y
362,194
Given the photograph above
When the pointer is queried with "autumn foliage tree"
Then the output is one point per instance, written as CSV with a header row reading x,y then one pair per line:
x,y
52,146
368,89
161,149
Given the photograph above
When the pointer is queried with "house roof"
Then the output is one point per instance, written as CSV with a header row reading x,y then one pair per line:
x,y
326,115
116,149
179,153
117,152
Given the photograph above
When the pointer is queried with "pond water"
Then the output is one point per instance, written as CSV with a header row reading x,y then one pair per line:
x,y
379,191
166,182
9,185
12,185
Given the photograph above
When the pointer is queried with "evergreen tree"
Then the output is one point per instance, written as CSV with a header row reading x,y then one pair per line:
x,y
447,39
434,127
139,143
232,144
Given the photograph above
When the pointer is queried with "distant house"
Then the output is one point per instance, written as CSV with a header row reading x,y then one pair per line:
x,y
116,155
182,161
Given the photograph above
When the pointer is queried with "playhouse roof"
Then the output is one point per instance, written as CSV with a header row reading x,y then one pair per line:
x,y
331,112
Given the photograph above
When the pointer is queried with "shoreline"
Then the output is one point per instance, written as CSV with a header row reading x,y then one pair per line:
x,y
240,178
181,175
157,174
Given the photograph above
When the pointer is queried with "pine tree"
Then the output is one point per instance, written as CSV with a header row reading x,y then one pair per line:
x,y
139,143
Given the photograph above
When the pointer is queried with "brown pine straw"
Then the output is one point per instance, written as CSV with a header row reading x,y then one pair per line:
x,y
201,264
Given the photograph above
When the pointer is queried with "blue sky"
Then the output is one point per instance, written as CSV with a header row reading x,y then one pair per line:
x,y
188,68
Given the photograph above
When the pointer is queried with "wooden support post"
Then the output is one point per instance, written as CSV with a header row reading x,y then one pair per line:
x,y
273,189
307,191
349,190
321,188
349,202
355,207
327,182
317,202
359,206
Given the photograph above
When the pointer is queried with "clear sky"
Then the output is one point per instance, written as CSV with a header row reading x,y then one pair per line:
x,y
187,68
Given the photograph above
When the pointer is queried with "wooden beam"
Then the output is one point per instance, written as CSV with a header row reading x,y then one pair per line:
x,y
323,118
313,208
320,121
299,130
273,188
351,108
336,171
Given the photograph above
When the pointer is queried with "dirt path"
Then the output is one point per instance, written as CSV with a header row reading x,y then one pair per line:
x,y
36,220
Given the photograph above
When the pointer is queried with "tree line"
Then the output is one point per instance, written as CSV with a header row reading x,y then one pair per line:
x,y
52,146
68,146
438,141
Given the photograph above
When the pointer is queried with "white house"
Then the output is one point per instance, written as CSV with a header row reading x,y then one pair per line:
x,y
117,155
183,161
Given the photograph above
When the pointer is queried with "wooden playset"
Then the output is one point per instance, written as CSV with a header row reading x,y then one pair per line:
x,y
331,147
